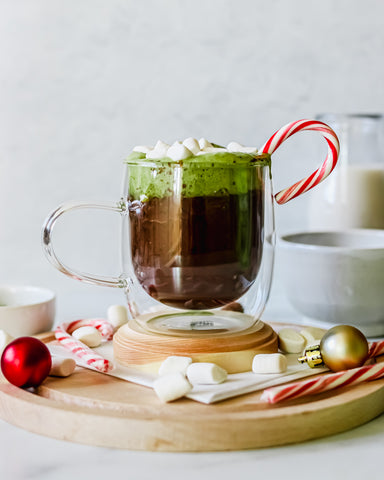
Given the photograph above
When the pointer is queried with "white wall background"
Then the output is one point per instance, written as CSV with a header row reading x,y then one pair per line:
x,y
83,81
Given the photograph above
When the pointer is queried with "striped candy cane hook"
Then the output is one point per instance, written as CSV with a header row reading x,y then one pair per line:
x,y
84,353
322,172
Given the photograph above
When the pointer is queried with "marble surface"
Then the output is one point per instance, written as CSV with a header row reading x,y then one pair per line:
x,y
356,453
24,455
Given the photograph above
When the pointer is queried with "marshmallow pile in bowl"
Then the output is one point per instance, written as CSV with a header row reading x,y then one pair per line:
x,y
188,148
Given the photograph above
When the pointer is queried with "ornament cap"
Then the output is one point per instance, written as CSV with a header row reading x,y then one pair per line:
x,y
312,356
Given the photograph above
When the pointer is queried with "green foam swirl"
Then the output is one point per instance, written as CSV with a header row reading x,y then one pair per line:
x,y
211,174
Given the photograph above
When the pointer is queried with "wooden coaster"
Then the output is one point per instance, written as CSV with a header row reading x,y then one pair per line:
x,y
134,346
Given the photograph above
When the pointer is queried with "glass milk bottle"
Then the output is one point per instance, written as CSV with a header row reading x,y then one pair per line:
x,y
353,197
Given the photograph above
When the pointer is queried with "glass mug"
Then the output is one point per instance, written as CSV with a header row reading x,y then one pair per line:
x,y
197,243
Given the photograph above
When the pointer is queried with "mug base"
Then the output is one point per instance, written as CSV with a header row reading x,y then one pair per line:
x,y
194,322
137,347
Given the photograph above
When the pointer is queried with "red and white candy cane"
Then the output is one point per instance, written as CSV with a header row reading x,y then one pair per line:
x,y
86,354
322,172
105,328
376,349
323,383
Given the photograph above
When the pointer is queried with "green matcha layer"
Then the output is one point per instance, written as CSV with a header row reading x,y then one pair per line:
x,y
210,174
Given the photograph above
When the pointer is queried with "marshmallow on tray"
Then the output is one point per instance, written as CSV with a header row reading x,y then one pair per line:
x,y
117,315
204,373
312,335
269,363
290,341
62,366
90,336
171,386
174,364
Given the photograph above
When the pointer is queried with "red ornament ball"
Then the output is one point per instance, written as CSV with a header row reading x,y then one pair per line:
x,y
26,362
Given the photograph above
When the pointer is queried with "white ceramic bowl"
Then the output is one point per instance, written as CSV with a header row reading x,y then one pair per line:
x,y
26,310
336,277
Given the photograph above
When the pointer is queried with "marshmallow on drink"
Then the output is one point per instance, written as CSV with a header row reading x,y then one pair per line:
x,y
160,151
237,147
203,143
178,151
192,144
142,149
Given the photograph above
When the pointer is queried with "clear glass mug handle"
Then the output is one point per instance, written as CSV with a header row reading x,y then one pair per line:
x,y
47,231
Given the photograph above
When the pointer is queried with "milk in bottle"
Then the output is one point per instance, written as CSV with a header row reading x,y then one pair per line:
x,y
353,197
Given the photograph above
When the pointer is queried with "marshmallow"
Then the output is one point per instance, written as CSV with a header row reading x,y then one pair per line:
x,y
206,373
5,339
214,149
192,144
312,335
234,147
291,341
203,143
90,336
117,315
237,147
160,151
178,151
175,364
62,366
142,149
249,150
269,363
171,386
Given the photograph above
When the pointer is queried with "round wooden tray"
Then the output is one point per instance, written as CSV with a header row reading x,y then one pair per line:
x,y
97,409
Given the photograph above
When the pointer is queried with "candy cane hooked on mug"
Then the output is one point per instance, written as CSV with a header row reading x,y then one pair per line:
x,y
322,172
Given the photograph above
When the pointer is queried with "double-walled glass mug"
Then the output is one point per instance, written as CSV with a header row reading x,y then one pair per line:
x,y
197,242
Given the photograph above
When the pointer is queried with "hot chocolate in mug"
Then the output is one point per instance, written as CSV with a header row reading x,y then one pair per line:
x,y
197,243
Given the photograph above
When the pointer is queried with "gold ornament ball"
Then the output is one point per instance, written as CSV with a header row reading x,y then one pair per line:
x,y
343,347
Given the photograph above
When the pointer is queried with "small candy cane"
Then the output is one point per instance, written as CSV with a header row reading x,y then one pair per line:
x,y
78,348
322,172
376,349
105,328
323,383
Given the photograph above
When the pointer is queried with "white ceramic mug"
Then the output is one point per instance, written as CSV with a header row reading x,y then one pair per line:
x,y
26,310
336,277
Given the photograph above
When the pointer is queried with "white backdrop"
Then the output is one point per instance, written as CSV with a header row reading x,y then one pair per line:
x,y
83,81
